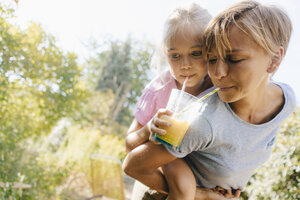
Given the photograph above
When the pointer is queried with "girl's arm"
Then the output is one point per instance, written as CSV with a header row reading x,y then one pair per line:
x,y
137,134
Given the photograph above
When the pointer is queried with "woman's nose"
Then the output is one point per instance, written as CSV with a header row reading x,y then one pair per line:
x,y
221,69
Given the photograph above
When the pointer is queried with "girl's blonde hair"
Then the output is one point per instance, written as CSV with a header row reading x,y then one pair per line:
x,y
269,26
183,20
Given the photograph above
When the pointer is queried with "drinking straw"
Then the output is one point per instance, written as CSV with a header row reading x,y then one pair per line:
x,y
198,101
180,96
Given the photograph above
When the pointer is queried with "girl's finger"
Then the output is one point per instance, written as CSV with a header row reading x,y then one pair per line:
x,y
160,122
162,112
157,130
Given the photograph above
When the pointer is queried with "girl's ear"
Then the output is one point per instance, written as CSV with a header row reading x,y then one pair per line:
x,y
276,60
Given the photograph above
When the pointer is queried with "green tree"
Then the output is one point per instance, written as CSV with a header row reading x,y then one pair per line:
x,y
39,85
121,67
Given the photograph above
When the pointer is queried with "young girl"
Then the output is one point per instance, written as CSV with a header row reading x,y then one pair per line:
x,y
235,129
182,46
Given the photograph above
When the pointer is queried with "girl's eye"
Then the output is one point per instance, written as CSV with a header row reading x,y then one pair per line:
x,y
174,56
196,53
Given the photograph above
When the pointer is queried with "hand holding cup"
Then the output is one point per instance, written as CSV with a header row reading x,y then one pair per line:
x,y
156,124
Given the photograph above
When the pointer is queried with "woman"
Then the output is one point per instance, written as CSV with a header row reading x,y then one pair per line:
x,y
234,130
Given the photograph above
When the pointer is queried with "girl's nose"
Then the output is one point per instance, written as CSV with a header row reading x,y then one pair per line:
x,y
186,64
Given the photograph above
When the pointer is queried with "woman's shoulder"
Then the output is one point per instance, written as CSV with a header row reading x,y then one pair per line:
x,y
212,107
289,96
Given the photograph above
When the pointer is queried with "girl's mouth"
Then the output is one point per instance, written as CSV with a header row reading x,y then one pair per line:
x,y
189,76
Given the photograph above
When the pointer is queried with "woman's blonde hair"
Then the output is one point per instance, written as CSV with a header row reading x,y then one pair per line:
x,y
183,20
269,26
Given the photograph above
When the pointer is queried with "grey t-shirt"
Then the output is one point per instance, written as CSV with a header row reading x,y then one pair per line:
x,y
222,149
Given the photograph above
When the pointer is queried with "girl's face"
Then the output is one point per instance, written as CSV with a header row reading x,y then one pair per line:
x,y
185,58
244,72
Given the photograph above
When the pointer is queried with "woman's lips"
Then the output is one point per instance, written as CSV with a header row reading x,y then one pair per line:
x,y
225,88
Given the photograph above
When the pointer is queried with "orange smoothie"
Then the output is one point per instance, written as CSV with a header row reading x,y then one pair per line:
x,y
175,132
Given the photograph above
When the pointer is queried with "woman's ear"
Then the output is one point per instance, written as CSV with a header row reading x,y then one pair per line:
x,y
276,60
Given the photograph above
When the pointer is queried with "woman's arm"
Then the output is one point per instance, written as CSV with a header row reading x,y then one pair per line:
x,y
210,194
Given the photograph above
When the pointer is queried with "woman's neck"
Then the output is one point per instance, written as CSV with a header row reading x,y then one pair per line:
x,y
260,107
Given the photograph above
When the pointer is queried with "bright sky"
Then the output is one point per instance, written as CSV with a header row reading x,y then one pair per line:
x,y
74,22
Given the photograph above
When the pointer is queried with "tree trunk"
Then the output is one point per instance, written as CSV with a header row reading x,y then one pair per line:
x,y
119,101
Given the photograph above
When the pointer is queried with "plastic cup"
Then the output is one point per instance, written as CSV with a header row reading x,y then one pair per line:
x,y
180,120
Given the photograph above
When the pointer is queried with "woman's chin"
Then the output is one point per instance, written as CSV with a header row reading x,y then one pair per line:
x,y
227,98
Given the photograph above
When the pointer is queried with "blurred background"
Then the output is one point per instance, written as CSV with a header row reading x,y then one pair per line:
x,y
70,75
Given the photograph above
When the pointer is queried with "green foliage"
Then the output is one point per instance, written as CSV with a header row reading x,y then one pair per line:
x,y
75,149
39,85
121,67
95,112
79,144
42,178
279,177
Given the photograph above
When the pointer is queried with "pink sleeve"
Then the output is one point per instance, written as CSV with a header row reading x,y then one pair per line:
x,y
146,107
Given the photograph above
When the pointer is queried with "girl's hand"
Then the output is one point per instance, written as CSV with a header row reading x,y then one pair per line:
x,y
156,122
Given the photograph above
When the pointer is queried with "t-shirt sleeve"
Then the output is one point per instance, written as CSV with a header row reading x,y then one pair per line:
x,y
198,137
145,108
290,97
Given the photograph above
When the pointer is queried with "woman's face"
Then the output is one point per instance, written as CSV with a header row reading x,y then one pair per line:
x,y
243,72
185,58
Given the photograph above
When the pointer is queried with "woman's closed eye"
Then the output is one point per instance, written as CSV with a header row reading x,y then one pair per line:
x,y
233,60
